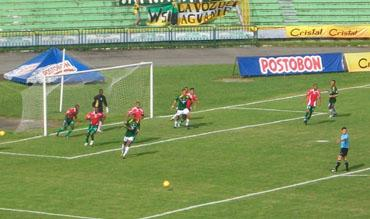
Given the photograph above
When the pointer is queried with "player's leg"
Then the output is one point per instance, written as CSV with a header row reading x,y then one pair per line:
x,y
339,159
71,127
306,115
100,110
88,134
310,111
126,146
177,119
187,117
330,107
93,132
63,128
344,157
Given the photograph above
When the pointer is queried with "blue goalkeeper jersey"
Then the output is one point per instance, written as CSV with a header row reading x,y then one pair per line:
x,y
344,141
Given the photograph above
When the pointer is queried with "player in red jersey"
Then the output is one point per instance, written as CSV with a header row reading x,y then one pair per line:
x,y
193,99
69,120
95,117
313,99
136,112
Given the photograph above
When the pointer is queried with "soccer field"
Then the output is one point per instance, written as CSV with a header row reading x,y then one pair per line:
x,y
247,155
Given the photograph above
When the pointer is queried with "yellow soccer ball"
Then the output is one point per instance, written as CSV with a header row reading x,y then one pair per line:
x,y
166,184
2,133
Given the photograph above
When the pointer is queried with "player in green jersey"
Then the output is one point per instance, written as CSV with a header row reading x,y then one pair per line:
x,y
333,93
69,120
182,111
132,129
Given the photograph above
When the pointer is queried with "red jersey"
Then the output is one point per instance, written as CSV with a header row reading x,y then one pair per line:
x,y
192,98
136,112
312,97
71,113
94,117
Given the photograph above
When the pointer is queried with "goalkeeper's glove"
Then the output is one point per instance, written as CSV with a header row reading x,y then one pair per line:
x,y
107,109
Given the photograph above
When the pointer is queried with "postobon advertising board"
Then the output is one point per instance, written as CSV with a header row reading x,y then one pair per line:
x,y
358,62
290,64
328,31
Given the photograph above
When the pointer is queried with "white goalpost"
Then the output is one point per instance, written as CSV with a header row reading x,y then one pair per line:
x,y
123,86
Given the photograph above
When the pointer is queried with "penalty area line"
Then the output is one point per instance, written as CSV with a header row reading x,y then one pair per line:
x,y
253,194
46,213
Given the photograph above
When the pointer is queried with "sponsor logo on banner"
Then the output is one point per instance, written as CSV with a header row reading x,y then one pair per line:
x,y
288,65
328,31
358,62
162,15
56,69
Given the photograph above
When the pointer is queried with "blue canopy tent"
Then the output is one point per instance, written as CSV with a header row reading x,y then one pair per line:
x,y
50,63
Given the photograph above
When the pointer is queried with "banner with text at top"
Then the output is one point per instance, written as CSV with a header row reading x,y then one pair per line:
x,y
358,62
328,31
290,64
188,14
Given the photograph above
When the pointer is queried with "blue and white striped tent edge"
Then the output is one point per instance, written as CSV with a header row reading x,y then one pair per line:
x,y
50,63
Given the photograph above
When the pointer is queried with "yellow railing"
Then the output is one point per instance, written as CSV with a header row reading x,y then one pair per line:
x,y
245,11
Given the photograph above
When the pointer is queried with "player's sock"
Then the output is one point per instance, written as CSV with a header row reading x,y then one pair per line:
x,y
347,165
176,123
187,122
99,126
87,138
126,151
336,166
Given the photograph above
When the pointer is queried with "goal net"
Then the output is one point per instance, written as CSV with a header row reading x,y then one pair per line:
x,y
44,105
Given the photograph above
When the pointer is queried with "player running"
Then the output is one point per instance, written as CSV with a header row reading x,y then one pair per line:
x,y
193,98
133,128
182,111
333,93
95,117
344,146
99,101
69,120
136,112
313,98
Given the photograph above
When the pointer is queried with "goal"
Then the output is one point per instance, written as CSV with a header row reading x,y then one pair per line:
x,y
44,105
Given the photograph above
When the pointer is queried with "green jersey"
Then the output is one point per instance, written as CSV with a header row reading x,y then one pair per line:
x,y
132,128
333,91
181,101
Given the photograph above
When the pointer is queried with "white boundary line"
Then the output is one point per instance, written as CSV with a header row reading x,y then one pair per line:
x,y
46,213
266,109
358,175
253,194
196,112
194,136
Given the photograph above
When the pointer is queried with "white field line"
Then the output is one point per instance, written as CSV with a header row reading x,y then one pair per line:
x,y
196,112
193,136
266,109
359,175
46,213
32,155
253,194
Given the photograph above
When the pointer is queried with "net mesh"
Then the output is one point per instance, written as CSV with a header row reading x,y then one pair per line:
x,y
122,88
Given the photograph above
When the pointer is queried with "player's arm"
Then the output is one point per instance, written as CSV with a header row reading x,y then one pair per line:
x,y
174,104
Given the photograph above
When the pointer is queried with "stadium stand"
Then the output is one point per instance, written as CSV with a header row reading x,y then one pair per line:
x,y
16,15
308,12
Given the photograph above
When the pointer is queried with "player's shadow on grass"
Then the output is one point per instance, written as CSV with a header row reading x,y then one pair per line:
x,y
197,125
325,121
119,141
144,153
344,115
357,166
197,117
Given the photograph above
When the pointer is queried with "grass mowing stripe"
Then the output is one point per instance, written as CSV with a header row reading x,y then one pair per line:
x,y
46,213
193,136
254,194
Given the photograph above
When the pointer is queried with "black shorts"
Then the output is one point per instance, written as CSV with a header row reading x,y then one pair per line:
x,y
100,109
343,152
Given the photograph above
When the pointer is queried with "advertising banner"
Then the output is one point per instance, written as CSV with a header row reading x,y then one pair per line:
x,y
328,31
290,64
358,62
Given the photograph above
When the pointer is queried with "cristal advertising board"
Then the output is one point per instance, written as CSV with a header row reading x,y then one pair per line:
x,y
290,64
358,62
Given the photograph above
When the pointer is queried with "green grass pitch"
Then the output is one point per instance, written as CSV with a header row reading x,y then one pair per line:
x,y
227,152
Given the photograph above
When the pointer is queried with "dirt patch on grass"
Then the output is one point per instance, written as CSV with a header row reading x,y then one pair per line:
x,y
236,80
